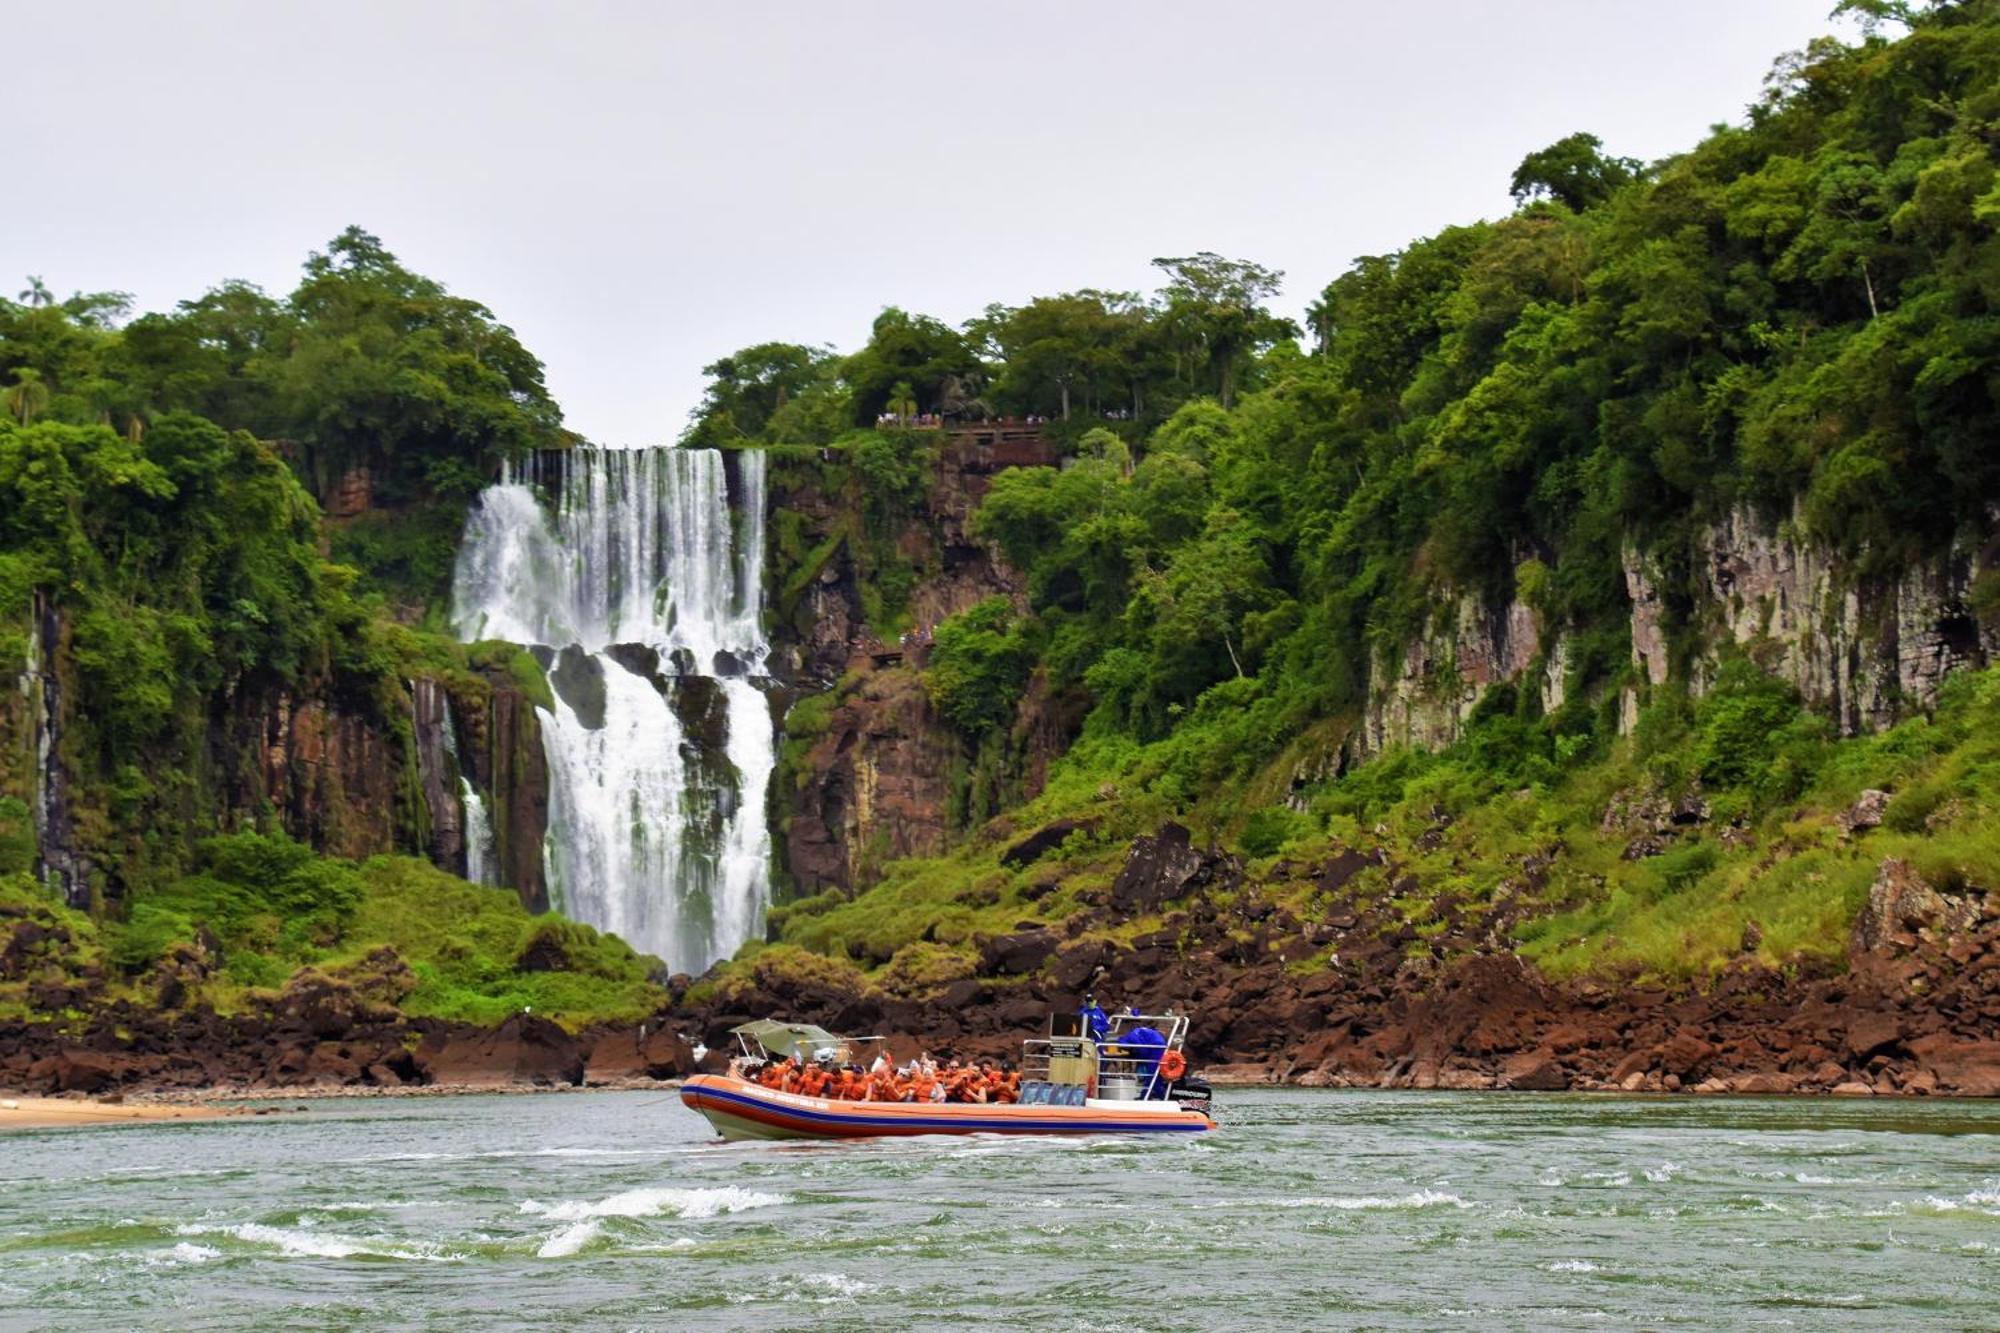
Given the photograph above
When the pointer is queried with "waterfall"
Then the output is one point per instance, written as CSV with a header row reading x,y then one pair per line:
x,y
481,859
641,587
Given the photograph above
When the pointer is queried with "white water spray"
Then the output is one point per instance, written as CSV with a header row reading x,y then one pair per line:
x,y
645,587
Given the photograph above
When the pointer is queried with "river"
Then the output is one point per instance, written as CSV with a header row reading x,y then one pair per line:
x,y
1307,1209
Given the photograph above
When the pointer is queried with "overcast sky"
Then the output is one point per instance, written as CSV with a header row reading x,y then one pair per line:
x,y
638,188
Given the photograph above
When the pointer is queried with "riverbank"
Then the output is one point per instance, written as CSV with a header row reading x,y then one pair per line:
x,y
63,1113
1911,1011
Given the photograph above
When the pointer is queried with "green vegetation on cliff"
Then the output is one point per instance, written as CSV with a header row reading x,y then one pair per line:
x,y
207,669
260,907
1731,829
1792,319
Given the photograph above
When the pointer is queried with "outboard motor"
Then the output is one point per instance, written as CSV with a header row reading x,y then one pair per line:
x,y
1191,1094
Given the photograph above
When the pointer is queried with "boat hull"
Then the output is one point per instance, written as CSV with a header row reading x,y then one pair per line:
x,y
743,1110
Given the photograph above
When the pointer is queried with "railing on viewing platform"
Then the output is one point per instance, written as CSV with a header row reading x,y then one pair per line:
x,y
1000,442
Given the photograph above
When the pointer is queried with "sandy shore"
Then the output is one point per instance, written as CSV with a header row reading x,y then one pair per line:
x,y
60,1112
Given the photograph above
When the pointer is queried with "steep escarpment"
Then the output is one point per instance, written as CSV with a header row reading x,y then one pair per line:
x,y
1865,647
872,772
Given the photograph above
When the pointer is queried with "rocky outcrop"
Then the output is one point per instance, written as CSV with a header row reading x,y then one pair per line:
x,y
883,779
1428,695
876,785
1867,650
438,773
1346,1000
336,771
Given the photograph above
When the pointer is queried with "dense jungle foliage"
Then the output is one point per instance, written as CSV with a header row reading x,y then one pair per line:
x,y
1254,515
1795,315
158,488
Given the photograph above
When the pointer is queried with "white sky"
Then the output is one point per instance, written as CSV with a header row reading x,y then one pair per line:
x,y
638,188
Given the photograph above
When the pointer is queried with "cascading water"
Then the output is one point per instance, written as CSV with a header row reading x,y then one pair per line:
x,y
642,590
481,858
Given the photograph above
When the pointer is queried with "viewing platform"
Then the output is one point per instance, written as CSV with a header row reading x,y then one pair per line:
x,y
988,446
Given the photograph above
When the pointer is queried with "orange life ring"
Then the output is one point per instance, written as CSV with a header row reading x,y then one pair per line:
x,y
1172,1065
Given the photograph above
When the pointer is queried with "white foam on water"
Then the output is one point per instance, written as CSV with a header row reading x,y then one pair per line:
x,y
691,1204
1664,1172
817,1288
570,1239
836,1286
304,1243
1367,1203
1983,1201
1571,1266
186,1252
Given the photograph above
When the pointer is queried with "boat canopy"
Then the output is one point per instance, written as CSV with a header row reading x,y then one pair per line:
x,y
799,1041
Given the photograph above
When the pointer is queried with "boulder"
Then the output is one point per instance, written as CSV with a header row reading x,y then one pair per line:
x,y
524,1049
1853,1089
1866,812
1076,965
1899,904
1870,1033
1683,1054
318,1005
1533,1071
82,1071
1014,955
1968,1068
1159,868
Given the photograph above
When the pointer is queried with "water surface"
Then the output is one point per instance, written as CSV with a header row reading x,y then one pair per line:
x,y
1308,1209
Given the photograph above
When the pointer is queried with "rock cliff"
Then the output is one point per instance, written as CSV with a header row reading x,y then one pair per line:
x,y
880,776
1865,649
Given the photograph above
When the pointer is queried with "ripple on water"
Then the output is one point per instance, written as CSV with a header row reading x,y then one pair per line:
x,y
308,1243
684,1203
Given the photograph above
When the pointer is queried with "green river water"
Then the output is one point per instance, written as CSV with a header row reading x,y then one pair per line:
x,y
1306,1210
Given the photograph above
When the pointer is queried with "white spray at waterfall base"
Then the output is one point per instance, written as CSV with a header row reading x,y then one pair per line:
x,y
644,586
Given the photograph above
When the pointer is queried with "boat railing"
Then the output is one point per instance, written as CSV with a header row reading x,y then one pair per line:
x,y
1069,1070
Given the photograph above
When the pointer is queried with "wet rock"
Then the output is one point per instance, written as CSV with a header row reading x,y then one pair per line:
x,y
578,680
1853,1088
703,709
1533,1071
1763,1085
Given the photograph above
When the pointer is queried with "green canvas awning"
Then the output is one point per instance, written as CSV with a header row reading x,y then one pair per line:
x,y
800,1041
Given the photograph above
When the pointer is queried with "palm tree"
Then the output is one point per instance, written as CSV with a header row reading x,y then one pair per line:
x,y
28,395
903,402
36,293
